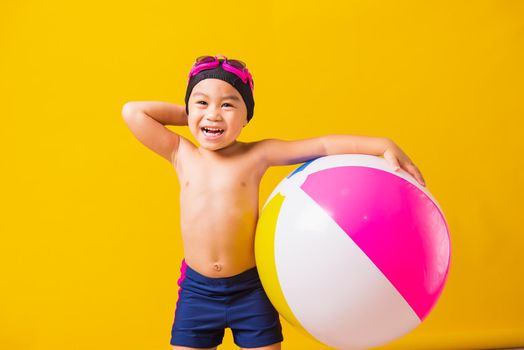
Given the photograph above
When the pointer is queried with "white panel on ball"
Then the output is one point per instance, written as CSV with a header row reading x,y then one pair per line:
x,y
325,276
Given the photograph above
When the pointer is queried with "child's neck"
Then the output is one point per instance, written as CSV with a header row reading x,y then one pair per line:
x,y
228,150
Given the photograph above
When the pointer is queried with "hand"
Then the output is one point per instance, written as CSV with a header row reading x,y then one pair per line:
x,y
399,159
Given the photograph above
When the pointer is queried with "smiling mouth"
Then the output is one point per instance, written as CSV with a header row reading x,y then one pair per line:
x,y
212,131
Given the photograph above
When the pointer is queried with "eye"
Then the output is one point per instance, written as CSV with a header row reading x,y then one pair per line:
x,y
228,104
198,102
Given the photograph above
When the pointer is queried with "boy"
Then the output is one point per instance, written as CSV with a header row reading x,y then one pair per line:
x,y
219,185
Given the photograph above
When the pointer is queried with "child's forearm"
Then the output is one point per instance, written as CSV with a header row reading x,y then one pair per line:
x,y
341,144
163,112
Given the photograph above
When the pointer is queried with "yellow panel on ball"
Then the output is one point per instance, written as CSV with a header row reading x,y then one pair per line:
x,y
265,259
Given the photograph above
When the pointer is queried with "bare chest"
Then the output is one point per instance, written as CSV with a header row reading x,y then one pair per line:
x,y
231,176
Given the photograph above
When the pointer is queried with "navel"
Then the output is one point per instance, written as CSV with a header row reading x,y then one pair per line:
x,y
243,184
217,266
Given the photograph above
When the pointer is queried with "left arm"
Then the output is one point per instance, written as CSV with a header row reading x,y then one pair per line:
x,y
282,152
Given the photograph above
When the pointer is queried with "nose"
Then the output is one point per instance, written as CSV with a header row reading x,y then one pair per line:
x,y
213,114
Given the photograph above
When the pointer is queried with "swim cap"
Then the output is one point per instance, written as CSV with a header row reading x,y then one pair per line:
x,y
235,81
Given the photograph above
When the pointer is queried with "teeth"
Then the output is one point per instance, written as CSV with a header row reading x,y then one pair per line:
x,y
212,129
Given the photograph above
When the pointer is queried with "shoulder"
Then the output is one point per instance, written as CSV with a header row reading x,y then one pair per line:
x,y
269,145
264,148
263,144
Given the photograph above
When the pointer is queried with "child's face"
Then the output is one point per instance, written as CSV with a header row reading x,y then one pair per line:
x,y
216,104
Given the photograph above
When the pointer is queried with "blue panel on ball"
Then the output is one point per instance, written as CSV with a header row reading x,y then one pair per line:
x,y
300,168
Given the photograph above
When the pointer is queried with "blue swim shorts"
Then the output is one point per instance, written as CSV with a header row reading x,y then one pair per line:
x,y
208,305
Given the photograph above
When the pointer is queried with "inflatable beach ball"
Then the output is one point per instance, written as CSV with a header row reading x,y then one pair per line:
x,y
351,252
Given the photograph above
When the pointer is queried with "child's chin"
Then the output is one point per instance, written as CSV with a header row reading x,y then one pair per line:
x,y
216,147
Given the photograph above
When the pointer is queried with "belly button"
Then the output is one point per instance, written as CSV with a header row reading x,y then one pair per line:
x,y
217,267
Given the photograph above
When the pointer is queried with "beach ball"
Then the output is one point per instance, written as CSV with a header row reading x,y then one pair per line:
x,y
351,252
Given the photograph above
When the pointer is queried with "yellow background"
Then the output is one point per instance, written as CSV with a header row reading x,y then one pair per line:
x,y
90,247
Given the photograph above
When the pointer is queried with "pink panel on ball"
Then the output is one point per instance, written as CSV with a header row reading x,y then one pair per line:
x,y
394,223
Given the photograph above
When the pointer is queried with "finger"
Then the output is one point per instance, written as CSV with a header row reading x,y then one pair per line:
x,y
420,177
416,173
423,182
393,160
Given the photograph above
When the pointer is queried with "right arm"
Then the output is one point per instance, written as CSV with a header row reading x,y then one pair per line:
x,y
146,121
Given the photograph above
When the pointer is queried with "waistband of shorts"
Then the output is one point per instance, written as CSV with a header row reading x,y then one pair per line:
x,y
244,276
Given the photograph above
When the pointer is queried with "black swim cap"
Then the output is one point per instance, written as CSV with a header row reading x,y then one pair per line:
x,y
235,81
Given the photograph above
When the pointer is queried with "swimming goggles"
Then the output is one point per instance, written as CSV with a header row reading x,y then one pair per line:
x,y
234,66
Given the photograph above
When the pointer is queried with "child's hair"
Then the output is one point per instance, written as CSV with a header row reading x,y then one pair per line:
x,y
220,73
